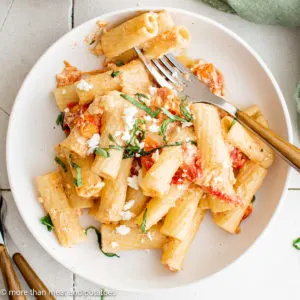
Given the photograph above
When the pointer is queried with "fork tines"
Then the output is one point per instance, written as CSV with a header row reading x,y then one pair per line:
x,y
166,70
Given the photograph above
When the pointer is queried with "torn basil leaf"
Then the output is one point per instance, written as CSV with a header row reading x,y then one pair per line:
x,y
46,220
143,225
108,254
61,163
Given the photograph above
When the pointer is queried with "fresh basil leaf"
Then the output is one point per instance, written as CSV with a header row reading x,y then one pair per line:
x,y
143,225
185,112
78,180
141,106
171,116
73,164
119,63
140,95
60,162
111,138
116,147
108,254
103,294
46,220
102,152
115,73
193,142
60,120
296,243
163,128
232,123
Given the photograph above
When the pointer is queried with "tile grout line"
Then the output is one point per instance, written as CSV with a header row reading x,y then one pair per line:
x,y
4,111
7,14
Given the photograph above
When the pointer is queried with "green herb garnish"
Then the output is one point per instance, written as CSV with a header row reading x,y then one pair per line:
x,y
60,162
185,112
60,120
102,152
119,63
143,225
232,124
173,117
78,180
103,294
163,128
92,42
115,73
137,134
253,199
108,254
46,220
296,243
141,106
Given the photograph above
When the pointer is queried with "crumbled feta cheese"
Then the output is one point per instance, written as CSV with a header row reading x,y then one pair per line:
x,y
93,143
129,119
66,110
114,244
152,90
149,235
128,116
129,204
187,124
187,140
133,182
148,118
122,229
179,186
155,155
137,155
126,215
154,128
84,85
118,133
178,129
141,145
126,136
63,91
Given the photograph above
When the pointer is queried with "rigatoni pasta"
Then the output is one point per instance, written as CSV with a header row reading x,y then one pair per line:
x,y
140,158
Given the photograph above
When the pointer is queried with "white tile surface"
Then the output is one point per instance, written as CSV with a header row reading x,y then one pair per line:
x,y
271,269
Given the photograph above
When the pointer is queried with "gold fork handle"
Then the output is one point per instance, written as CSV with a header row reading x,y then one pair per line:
x,y
11,280
34,282
288,151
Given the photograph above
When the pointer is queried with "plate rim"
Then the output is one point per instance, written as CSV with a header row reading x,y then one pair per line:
x,y
224,29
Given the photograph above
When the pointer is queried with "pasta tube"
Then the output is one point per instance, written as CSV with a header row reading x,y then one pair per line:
x,y
66,223
249,180
174,251
136,30
169,41
217,205
113,195
113,241
75,142
108,167
65,95
178,220
253,147
158,207
217,172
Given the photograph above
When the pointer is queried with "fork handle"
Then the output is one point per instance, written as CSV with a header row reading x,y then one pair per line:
x,y
14,289
33,280
286,150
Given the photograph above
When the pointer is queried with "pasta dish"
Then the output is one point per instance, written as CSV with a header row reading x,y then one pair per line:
x,y
143,161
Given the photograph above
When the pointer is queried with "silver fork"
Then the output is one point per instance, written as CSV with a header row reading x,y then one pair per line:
x,y
169,72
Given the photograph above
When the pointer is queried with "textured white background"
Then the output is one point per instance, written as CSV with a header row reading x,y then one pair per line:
x,y
271,268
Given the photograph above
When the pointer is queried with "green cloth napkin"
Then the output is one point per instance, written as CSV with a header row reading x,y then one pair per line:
x,y
280,12
272,12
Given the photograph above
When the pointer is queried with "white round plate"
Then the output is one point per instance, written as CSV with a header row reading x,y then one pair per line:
x,y
32,134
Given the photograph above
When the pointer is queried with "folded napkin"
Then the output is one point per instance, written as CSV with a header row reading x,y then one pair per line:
x,y
280,12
